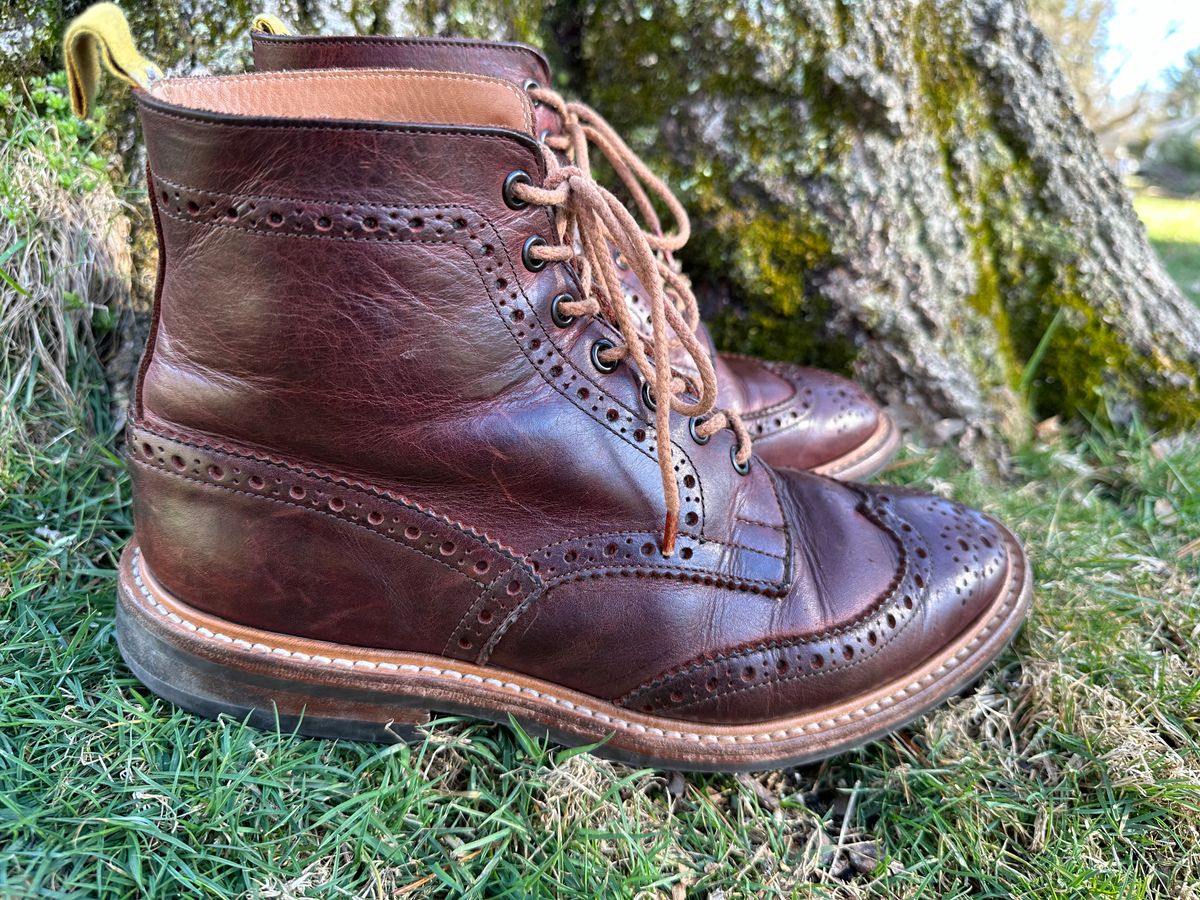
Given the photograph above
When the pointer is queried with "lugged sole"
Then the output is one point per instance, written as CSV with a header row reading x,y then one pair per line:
x,y
211,666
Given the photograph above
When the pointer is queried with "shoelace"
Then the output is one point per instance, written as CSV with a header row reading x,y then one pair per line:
x,y
583,126
598,220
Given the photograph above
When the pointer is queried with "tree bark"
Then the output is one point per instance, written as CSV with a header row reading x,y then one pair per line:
x,y
916,176
900,189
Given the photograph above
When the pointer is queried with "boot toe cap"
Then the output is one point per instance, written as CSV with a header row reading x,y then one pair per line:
x,y
826,421
953,564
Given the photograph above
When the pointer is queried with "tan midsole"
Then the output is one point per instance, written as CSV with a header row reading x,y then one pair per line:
x,y
410,674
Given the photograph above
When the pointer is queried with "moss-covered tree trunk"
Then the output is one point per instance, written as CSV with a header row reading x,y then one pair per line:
x,y
899,188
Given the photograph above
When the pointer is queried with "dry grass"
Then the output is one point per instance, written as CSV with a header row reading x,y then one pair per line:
x,y
65,259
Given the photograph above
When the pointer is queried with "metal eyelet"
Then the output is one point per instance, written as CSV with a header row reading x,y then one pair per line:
x,y
511,200
601,366
740,468
557,316
531,263
696,435
532,84
648,397
544,136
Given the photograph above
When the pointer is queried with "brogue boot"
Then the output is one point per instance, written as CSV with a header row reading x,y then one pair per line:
x,y
396,450
799,417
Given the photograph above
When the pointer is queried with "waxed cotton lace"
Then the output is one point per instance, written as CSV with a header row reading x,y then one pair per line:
x,y
598,221
582,126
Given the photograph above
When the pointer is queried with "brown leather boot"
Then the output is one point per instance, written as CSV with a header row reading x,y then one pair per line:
x,y
390,457
799,417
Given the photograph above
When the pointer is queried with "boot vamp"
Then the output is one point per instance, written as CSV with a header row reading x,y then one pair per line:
x,y
799,417
880,581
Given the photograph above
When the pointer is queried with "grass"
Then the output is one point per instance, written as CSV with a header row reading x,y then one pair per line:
x,y
1174,228
1072,770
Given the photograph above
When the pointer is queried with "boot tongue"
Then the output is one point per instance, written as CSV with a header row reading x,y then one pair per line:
x,y
372,95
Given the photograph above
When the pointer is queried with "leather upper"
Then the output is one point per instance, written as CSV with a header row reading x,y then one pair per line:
x,y
800,417
357,422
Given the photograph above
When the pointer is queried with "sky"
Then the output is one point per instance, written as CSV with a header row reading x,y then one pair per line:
x,y
1146,37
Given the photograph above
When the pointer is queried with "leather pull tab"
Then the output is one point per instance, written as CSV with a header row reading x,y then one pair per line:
x,y
100,36
269,24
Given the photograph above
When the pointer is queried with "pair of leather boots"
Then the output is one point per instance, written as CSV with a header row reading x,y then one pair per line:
x,y
427,424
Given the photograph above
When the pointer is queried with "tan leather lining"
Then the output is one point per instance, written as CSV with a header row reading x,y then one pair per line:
x,y
372,95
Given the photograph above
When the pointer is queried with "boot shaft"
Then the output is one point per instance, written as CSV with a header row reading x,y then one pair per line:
x,y
353,296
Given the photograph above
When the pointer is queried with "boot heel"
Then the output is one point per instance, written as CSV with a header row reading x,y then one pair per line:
x,y
205,684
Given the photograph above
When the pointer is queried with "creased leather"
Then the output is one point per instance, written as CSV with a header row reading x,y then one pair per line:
x,y
800,417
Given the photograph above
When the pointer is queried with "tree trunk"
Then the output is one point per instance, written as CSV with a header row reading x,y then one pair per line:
x,y
910,182
901,189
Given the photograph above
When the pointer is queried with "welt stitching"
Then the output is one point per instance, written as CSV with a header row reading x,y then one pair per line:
x,y
319,512
760,737
385,496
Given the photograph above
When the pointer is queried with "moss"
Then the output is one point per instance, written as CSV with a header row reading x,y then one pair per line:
x,y
1028,259
750,259
787,320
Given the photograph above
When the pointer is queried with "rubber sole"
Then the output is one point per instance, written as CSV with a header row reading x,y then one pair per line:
x,y
211,667
869,457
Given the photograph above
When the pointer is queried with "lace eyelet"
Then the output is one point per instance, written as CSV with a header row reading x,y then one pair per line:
x,y
532,263
599,347
544,136
648,397
557,316
621,262
699,438
511,200
532,84
740,468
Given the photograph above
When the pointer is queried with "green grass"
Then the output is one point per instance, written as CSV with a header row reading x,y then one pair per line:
x,y
1174,229
1073,769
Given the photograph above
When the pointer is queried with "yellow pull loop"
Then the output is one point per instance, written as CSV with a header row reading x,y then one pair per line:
x,y
100,35
270,24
